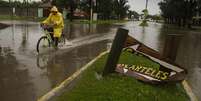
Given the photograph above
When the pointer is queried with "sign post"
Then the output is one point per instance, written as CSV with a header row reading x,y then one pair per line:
x,y
115,51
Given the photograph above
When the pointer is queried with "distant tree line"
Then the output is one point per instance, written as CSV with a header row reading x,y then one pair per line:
x,y
180,12
106,9
19,4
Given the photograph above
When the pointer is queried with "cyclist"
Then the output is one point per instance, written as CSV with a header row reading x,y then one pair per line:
x,y
55,18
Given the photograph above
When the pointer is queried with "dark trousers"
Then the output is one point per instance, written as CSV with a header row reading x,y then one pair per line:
x,y
55,39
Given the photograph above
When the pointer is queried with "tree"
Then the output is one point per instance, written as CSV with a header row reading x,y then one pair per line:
x,y
120,8
178,11
85,5
4,3
133,14
69,4
104,8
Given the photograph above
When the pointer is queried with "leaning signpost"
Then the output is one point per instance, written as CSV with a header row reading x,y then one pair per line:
x,y
167,72
115,52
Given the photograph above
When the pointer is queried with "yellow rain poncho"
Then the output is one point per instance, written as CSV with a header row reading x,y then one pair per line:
x,y
57,20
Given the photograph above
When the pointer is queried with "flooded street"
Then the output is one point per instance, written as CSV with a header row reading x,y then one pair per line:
x,y
25,76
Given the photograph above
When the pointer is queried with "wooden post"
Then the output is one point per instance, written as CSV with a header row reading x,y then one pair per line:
x,y
115,51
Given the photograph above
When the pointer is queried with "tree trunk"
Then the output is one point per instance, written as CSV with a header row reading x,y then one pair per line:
x,y
179,22
184,22
189,23
71,14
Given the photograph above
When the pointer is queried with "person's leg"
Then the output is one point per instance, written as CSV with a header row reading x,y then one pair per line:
x,y
57,35
51,30
56,39
52,36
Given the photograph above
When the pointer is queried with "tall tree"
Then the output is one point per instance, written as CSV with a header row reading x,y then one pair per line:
x,y
70,4
121,8
85,6
133,14
178,11
104,8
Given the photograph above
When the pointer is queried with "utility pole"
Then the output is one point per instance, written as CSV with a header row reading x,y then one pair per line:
x,y
146,4
91,10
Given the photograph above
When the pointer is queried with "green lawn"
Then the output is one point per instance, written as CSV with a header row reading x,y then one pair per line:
x,y
116,87
9,17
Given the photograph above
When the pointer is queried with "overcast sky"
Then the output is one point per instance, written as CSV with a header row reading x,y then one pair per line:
x,y
139,5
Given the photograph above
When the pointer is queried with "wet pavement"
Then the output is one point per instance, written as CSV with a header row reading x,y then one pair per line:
x,y
25,75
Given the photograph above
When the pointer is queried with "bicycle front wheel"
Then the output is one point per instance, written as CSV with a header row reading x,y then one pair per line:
x,y
43,44
62,41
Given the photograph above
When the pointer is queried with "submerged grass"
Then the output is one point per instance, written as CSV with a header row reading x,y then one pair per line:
x,y
116,87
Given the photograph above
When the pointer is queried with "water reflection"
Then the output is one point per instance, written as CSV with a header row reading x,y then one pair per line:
x,y
25,33
189,56
59,67
172,42
15,82
73,31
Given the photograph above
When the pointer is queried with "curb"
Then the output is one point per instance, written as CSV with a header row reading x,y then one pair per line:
x,y
189,91
52,93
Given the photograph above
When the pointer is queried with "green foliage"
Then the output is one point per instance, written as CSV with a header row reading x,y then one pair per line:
x,y
173,8
107,9
176,11
3,3
133,13
117,87
120,8
65,3
85,5
18,4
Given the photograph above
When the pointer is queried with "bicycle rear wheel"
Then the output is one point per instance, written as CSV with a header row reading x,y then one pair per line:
x,y
43,44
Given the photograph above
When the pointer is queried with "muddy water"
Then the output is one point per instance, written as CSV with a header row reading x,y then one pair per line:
x,y
25,75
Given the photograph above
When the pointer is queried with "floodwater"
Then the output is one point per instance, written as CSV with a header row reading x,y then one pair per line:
x,y
25,76
180,45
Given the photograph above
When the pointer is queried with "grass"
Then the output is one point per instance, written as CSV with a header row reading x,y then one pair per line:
x,y
116,87
9,17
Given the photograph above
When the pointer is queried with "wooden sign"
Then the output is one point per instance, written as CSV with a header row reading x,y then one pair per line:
x,y
168,71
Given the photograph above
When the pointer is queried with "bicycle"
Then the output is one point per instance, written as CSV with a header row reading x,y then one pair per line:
x,y
46,41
